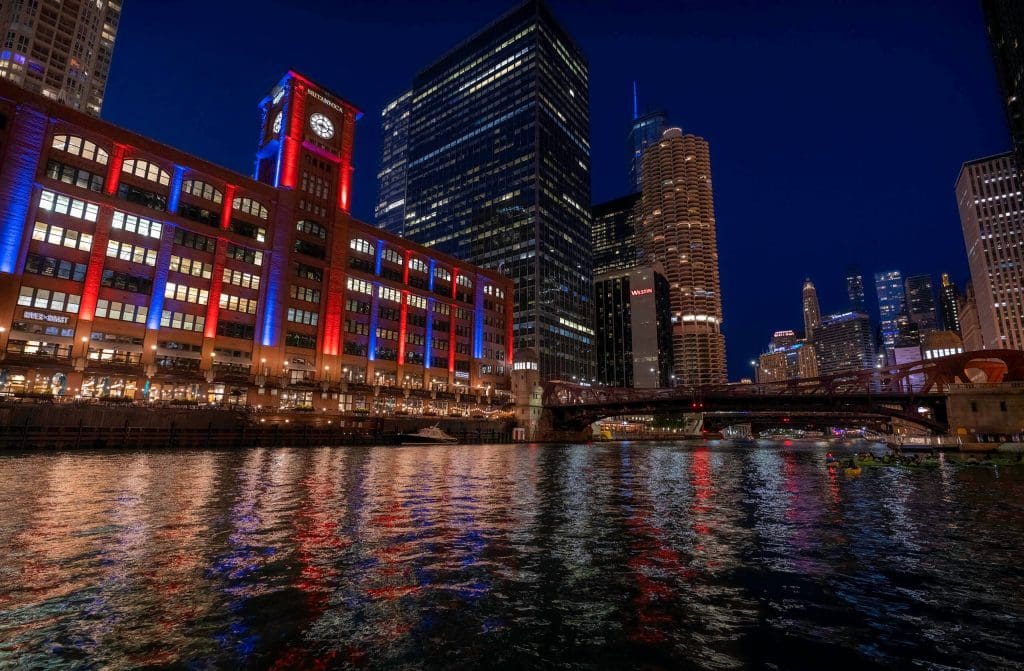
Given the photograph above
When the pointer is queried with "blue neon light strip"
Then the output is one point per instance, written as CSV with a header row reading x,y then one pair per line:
x,y
380,250
163,263
271,309
24,149
431,279
430,323
371,352
172,202
478,320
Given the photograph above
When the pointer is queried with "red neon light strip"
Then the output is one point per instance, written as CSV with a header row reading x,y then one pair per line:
x,y
293,136
402,318
405,269
94,271
451,324
344,186
219,259
114,170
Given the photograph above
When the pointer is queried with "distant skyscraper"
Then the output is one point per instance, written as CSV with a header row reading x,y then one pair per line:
x,y
614,234
921,308
892,307
1005,23
394,154
60,49
950,304
498,173
812,310
988,193
855,290
644,130
787,358
970,324
634,328
844,343
678,230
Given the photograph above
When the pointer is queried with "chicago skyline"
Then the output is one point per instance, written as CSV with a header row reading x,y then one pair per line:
x,y
915,235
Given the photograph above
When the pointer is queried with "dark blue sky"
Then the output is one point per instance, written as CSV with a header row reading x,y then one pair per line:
x,y
837,128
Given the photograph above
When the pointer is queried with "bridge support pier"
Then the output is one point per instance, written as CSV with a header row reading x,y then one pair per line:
x,y
548,432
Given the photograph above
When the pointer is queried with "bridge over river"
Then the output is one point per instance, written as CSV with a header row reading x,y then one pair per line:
x,y
914,393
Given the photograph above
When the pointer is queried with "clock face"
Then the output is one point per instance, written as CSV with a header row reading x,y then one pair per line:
x,y
321,125
277,123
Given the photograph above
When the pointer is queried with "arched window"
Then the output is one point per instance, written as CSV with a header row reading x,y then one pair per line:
x,y
80,147
250,206
442,274
146,170
392,256
202,190
361,246
418,265
465,281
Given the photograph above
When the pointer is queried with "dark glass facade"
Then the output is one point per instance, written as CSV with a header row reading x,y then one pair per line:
x,y
921,308
855,290
633,338
949,299
1004,20
844,343
498,174
892,307
644,130
614,234
394,154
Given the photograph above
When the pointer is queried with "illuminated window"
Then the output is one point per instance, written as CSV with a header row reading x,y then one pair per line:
x,y
190,267
389,294
442,274
49,300
182,320
229,302
311,228
361,246
135,224
202,190
125,312
80,147
57,235
133,253
361,286
182,292
241,279
418,265
392,256
146,170
250,206
72,207
245,254
303,316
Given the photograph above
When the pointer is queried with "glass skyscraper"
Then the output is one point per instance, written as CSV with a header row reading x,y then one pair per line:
x,y
394,153
921,307
645,129
855,290
498,173
614,234
892,308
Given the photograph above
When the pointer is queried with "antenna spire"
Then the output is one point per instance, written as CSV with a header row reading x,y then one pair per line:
x,y
635,110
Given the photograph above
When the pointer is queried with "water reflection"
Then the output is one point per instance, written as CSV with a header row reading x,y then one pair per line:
x,y
603,556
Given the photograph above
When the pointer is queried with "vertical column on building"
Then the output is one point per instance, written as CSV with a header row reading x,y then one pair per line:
x,y
478,331
217,280
371,349
163,262
94,270
451,327
403,317
24,147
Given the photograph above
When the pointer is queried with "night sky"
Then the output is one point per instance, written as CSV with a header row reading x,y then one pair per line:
x,y
836,128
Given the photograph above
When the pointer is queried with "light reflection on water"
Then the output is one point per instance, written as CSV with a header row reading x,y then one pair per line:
x,y
612,555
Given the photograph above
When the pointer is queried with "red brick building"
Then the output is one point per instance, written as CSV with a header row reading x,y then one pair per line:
x,y
128,268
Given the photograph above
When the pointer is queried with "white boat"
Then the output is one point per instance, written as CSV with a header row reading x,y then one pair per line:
x,y
428,435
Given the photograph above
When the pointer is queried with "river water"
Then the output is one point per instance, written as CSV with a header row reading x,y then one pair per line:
x,y
610,556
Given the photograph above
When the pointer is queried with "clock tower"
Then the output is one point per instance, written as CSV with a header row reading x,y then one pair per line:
x,y
305,150
306,136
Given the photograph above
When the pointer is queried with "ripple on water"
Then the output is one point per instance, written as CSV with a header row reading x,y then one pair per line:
x,y
623,556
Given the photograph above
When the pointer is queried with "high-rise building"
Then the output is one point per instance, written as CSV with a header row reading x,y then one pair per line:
x,y
394,154
992,216
131,269
678,230
970,323
921,308
498,174
787,358
812,311
892,306
614,234
644,130
60,49
634,328
1004,20
855,290
844,343
950,305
